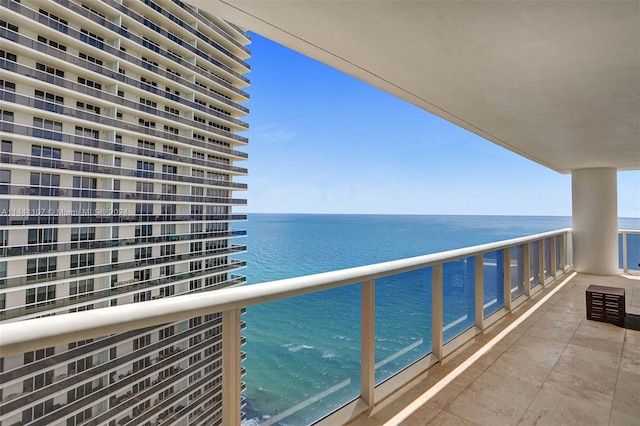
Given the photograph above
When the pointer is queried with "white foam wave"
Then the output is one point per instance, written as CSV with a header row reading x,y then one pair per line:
x,y
328,354
295,348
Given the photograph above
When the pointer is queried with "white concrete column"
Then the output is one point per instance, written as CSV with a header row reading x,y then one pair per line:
x,y
595,221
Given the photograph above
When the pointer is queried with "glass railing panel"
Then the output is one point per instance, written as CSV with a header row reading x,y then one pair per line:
x,y
493,267
547,258
458,298
403,321
633,252
305,356
534,263
517,271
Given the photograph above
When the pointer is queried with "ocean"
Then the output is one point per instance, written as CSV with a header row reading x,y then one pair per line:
x,y
302,354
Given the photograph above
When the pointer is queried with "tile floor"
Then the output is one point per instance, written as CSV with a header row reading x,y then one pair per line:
x,y
555,368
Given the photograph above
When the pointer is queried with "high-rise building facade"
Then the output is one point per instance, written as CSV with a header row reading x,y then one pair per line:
x,y
119,142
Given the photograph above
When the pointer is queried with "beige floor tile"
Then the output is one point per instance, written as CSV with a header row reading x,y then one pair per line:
x,y
447,419
632,337
556,326
558,321
600,377
484,409
628,383
581,388
537,351
594,356
630,364
633,299
532,344
631,352
626,402
598,344
516,368
507,389
601,330
573,304
553,404
620,419
564,315
552,333
534,418
627,405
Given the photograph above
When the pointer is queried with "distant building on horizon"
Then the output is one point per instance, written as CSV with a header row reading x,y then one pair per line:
x,y
117,173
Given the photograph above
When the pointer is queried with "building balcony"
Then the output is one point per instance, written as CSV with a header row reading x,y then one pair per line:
x,y
543,364
117,147
493,334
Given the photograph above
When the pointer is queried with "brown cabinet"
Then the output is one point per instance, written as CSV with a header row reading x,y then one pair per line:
x,y
606,304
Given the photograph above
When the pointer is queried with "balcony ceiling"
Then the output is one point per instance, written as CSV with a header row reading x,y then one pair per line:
x,y
556,82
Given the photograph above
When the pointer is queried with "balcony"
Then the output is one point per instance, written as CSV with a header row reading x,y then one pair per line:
x,y
517,346
545,364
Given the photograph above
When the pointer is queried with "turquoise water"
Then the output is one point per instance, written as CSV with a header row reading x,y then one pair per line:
x,y
303,353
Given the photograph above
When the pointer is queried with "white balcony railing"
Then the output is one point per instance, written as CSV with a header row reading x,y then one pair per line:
x,y
522,266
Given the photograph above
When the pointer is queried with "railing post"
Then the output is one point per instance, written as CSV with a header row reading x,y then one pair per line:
x,y
570,248
526,253
231,373
554,269
437,311
541,261
506,273
625,266
563,251
479,294
368,343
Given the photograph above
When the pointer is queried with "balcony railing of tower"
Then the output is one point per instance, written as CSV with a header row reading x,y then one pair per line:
x,y
493,278
211,25
25,11
46,218
118,100
19,129
55,247
92,270
99,194
104,169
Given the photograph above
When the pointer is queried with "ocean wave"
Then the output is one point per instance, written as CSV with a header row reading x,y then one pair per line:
x,y
295,348
328,354
342,337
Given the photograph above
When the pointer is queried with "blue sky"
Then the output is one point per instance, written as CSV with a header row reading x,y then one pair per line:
x,y
324,142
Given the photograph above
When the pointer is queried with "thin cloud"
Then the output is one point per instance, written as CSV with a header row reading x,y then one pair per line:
x,y
273,133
